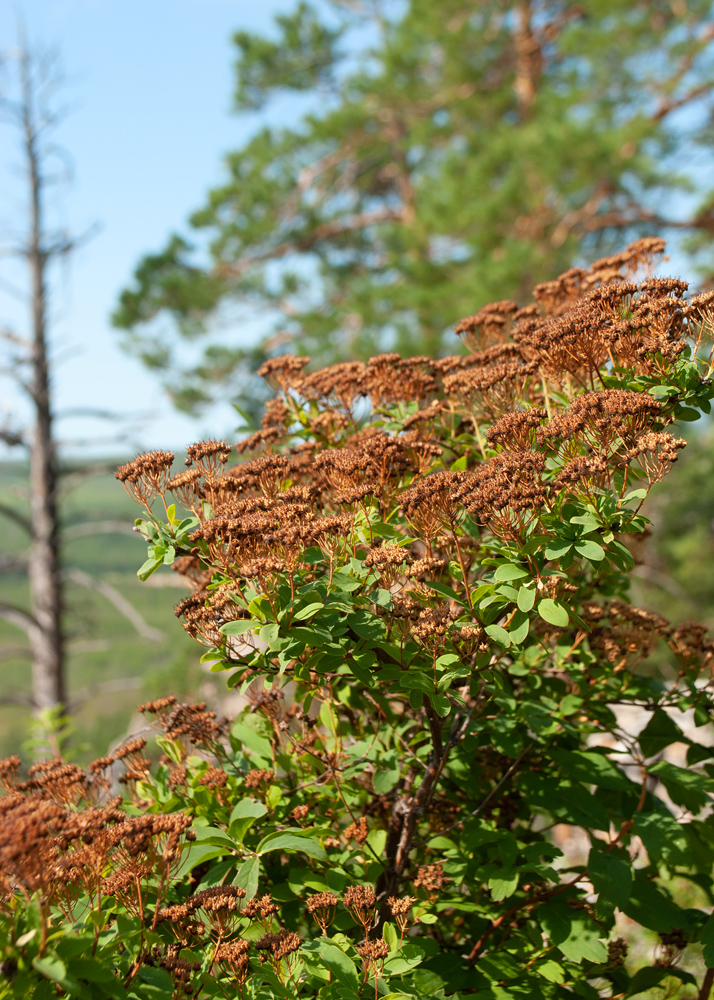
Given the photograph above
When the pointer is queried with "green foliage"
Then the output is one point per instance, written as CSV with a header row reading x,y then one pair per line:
x,y
417,581
302,59
453,153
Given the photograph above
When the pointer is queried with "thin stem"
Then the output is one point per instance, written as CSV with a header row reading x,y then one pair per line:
x,y
482,806
706,985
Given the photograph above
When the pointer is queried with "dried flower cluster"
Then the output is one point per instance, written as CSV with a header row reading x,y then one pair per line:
x,y
415,574
538,423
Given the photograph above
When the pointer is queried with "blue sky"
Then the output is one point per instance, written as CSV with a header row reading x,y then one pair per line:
x,y
150,82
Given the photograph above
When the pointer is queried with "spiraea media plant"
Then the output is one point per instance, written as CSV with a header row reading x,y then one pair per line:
x,y
464,763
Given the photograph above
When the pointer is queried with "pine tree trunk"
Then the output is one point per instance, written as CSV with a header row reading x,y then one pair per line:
x,y
46,640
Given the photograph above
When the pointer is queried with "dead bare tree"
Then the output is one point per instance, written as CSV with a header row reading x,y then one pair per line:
x,y
31,108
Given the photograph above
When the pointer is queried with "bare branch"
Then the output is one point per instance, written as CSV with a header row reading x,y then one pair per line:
x,y
123,606
72,476
321,232
13,338
116,686
648,574
17,699
16,516
88,411
98,528
13,564
10,652
13,439
668,106
18,617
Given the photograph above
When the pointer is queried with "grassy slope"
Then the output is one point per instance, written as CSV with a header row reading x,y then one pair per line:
x,y
110,666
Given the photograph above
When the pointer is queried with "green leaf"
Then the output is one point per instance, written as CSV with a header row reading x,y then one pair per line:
x,y
708,942
158,984
519,632
611,878
649,906
686,413
498,634
51,966
583,941
247,807
553,612
663,390
342,581
308,611
247,877
442,705
659,733
291,842
247,736
196,855
408,957
592,769
415,699
645,979
384,780
591,550
558,548
149,567
587,521
269,633
526,598
389,933
664,838
415,680
570,704
509,571
212,835
552,971
685,787
340,965
503,886
243,816
445,591
239,627
366,625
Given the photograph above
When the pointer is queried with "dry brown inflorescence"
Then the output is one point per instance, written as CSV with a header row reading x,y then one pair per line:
x,y
529,394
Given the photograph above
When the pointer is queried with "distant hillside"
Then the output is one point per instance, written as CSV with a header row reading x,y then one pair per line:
x,y
114,662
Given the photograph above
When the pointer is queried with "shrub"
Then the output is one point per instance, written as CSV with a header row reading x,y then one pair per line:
x,y
417,581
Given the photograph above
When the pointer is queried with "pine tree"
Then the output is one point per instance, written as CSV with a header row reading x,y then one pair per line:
x,y
472,149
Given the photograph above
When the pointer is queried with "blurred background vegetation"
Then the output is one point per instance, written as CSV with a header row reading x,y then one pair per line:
x,y
112,664
432,157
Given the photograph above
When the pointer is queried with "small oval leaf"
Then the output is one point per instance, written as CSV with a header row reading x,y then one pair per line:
x,y
553,612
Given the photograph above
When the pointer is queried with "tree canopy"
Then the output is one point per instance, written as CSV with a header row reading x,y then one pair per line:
x,y
451,153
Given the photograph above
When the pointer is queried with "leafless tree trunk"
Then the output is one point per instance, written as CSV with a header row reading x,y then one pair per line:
x,y
33,116
32,112
46,640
